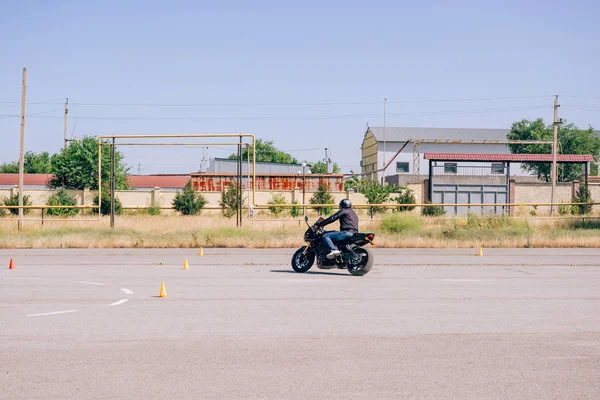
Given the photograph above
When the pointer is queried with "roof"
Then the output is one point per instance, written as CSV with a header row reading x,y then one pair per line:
x,y
135,181
402,134
28,179
562,158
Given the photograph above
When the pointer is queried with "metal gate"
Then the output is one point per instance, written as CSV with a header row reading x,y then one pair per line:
x,y
448,194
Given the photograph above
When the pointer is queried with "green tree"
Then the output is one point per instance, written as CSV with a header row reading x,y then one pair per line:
x,y
9,168
277,198
229,200
105,203
322,196
33,163
406,196
571,140
14,201
320,167
76,167
583,196
266,152
189,202
62,198
374,192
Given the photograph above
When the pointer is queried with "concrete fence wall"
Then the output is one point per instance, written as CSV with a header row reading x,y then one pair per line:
x,y
132,199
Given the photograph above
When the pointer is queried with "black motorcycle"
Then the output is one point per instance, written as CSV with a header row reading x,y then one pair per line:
x,y
353,257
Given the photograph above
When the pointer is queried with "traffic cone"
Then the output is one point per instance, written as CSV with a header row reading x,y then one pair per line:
x,y
201,252
11,265
186,265
163,291
480,254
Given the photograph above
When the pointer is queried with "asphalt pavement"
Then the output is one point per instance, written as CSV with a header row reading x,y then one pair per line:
x,y
240,324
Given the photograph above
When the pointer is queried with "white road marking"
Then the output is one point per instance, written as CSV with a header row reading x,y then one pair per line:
x,y
126,291
53,313
116,303
91,283
460,280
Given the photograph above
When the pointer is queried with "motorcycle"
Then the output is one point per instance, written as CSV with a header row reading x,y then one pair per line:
x,y
353,256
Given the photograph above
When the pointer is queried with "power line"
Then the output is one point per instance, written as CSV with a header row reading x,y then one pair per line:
x,y
281,104
294,118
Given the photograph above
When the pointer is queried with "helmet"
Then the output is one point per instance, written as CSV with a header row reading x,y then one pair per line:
x,y
345,204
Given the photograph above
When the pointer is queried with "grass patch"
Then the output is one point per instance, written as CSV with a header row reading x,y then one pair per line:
x,y
392,231
396,223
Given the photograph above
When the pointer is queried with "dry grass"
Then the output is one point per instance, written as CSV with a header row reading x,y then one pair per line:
x,y
169,231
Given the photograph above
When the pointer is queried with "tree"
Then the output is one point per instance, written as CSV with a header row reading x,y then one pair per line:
x,y
266,152
14,201
571,140
9,168
105,203
62,198
76,167
189,202
229,200
277,198
33,163
320,167
583,196
322,196
373,191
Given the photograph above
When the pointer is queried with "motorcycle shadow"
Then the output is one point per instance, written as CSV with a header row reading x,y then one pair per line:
x,y
287,271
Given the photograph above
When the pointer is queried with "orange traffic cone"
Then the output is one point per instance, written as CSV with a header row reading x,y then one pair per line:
x,y
11,265
163,291
201,252
186,265
480,254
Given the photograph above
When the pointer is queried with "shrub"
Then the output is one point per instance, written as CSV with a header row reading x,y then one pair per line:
x,y
277,198
189,202
154,208
396,223
583,196
322,196
295,211
405,197
105,204
229,200
433,211
62,198
374,192
566,209
14,201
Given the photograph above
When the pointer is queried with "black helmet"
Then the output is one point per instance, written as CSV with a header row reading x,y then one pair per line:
x,y
345,204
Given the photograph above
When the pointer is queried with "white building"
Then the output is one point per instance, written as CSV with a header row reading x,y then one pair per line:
x,y
379,148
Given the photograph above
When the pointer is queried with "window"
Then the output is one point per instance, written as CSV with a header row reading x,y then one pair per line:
x,y
497,168
402,167
450,168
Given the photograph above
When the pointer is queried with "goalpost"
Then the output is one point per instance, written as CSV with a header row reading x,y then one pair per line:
x,y
228,140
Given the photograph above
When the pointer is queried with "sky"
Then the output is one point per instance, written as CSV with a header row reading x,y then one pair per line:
x,y
307,75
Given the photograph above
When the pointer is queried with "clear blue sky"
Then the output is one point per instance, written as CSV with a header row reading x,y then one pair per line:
x,y
307,75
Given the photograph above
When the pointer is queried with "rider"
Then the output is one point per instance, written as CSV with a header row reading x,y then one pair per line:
x,y
348,226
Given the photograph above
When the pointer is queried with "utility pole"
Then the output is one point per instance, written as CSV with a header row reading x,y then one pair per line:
x,y
22,150
66,120
554,155
383,167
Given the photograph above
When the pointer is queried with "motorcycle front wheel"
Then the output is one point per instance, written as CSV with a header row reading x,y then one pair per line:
x,y
301,262
363,262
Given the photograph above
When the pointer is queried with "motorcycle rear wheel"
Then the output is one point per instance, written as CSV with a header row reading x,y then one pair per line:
x,y
363,264
302,262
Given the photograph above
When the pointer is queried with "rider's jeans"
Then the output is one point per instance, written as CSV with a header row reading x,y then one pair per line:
x,y
336,236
